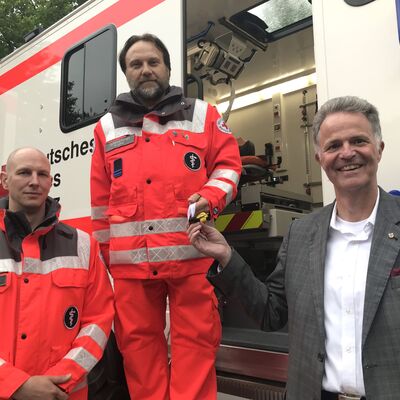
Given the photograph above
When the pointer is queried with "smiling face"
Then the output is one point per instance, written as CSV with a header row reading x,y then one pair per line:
x,y
349,153
146,72
28,181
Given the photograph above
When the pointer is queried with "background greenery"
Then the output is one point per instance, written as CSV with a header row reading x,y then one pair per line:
x,y
19,17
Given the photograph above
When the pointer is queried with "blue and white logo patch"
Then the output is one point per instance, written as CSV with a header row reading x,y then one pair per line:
x,y
71,317
222,126
192,161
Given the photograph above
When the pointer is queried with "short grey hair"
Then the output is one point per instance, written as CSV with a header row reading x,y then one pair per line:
x,y
351,104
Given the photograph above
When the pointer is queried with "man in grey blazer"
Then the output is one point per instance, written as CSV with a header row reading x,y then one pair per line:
x,y
337,280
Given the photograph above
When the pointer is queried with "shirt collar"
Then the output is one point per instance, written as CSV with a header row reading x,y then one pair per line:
x,y
368,222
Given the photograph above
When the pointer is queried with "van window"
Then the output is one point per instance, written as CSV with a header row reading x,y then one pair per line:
x,y
88,79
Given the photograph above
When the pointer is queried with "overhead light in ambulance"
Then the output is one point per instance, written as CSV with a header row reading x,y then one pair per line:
x,y
266,93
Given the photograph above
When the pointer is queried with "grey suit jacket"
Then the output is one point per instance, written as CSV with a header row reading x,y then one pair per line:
x,y
294,293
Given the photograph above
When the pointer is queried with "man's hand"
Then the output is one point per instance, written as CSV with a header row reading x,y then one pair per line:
x,y
210,242
201,203
42,388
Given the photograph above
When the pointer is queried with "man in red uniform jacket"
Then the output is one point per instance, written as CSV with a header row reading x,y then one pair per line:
x,y
56,301
157,152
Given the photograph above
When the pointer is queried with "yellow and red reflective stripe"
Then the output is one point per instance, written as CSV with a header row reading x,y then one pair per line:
x,y
240,221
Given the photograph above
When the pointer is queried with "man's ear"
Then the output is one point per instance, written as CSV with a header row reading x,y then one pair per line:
x,y
3,179
381,147
317,158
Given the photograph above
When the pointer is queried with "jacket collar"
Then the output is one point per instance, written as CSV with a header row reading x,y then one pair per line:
x,y
172,101
51,215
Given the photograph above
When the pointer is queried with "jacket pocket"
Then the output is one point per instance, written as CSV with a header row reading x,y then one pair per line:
x,y
122,210
188,139
70,278
5,282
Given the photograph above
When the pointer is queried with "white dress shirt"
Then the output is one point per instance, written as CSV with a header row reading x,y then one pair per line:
x,y
346,266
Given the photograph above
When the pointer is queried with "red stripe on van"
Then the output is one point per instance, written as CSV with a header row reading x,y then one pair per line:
x,y
118,14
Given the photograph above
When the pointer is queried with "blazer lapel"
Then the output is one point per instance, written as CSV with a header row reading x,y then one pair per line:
x,y
385,249
318,242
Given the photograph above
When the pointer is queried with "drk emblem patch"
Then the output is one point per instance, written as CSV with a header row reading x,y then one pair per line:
x,y
192,161
71,317
222,126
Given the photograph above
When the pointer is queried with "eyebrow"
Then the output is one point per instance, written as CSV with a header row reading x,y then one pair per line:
x,y
19,169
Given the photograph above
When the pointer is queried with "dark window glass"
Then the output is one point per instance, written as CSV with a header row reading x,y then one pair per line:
x,y
88,80
272,20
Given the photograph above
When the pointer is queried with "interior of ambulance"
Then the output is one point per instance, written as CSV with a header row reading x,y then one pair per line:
x,y
255,62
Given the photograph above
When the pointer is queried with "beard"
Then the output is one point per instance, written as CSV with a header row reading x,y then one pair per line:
x,y
151,94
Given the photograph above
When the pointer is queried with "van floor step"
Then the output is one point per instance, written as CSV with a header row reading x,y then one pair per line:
x,y
249,389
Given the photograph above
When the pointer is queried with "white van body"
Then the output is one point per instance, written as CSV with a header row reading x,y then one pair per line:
x,y
353,51
30,89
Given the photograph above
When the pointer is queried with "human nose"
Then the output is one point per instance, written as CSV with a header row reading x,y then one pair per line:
x,y
146,70
347,151
34,181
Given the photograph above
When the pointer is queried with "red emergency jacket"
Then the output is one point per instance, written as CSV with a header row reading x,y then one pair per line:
x,y
56,302
145,165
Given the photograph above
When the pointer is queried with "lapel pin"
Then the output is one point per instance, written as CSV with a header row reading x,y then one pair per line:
x,y
391,235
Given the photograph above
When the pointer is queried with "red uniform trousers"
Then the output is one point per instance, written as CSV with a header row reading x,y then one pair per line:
x,y
195,337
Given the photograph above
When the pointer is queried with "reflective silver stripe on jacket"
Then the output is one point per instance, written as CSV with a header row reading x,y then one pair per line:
x,y
157,254
84,248
227,174
154,254
96,333
102,236
99,212
10,265
195,126
82,357
80,385
35,266
226,187
148,227
128,256
107,123
111,133
2,362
